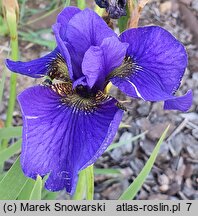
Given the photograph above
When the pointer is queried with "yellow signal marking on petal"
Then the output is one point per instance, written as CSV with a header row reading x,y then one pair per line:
x,y
71,98
57,69
108,87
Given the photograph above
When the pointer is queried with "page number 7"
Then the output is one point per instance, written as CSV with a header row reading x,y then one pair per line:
x,y
189,205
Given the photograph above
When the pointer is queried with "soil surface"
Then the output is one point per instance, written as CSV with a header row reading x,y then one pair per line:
x,y
175,173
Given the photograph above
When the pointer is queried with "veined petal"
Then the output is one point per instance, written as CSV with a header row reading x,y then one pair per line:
x,y
93,65
182,103
157,60
85,29
64,17
156,51
114,52
151,89
36,68
63,134
99,61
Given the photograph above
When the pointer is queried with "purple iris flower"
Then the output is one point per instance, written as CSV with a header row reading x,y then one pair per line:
x,y
69,123
115,8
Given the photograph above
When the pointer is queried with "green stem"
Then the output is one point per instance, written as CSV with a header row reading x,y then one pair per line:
x,y
89,182
85,182
98,10
81,4
67,3
81,186
12,25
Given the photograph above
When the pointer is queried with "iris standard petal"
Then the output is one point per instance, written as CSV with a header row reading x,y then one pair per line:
x,y
85,29
64,17
61,135
99,61
36,68
63,49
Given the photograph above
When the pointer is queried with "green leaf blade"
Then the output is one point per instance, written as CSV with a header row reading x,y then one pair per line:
x,y
81,186
121,143
10,151
9,132
89,173
27,190
123,21
99,171
81,4
12,183
37,189
132,190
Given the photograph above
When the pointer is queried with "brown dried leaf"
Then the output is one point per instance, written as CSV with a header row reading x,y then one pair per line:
x,y
11,6
135,11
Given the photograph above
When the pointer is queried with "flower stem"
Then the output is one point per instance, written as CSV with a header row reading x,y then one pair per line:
x,y
12,25
81,4
85,184
81,186
89,173
67,3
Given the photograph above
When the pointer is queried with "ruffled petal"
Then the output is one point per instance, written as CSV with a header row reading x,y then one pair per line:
x,y
85,29
64,17
99,61
36,68
182,103
60,139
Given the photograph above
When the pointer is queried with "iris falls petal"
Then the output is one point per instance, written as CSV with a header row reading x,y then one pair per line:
x,y
158,62
181,103
36,68
64,133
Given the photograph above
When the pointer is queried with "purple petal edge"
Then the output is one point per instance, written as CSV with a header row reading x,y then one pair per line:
x,y
60,141
182,103
36,68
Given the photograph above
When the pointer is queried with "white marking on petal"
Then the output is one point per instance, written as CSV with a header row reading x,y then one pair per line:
x,y
31,117
136,90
